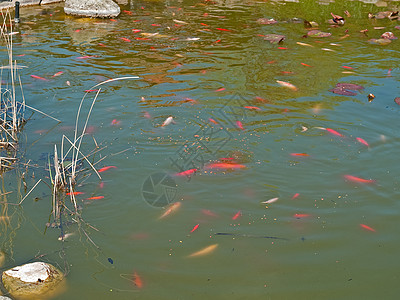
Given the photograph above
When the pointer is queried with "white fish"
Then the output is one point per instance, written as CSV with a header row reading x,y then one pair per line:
x,y
179,21
168,121
304,44
287,84
270,201
327,49
304,128
192,39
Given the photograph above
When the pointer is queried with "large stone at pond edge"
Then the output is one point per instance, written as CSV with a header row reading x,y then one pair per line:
x,y
92,8
31,280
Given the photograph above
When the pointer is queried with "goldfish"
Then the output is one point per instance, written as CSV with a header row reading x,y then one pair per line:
x,y
220,90
367,227
172,208
74,193
213,121
295,196
362,141
239,125
187,172
90,91
95,198
299,216
270,201
58,74
38,77
252,107
225,166
299,154
106,168
194,228
259,99
358,179
168,121
237,215
125,39
334,132
223,29
86,56
204,251
347,67
287,84
304,44
115,122
137,280
306,65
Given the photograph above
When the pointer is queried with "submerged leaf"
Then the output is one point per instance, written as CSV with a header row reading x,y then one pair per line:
x,y
274,38
318,33
342,91
265,21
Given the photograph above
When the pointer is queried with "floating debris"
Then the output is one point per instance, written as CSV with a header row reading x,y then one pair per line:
x,y
318,33
274,38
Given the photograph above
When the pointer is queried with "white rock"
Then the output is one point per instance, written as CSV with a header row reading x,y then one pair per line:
x,y
30,272
92,8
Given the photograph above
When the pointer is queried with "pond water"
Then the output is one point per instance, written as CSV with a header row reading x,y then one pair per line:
x,y
251,139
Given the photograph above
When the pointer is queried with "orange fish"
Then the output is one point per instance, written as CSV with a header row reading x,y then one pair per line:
x,y
95,198
186,173
195,228
90,91
106,168
299,216
367,227
38,77
220,90
115,122
306,65
346,67
173,207
223,29
334,132
209,213
259,99
204,251
299,154
295,196
137,280
237,215
74,193
225,166
125,39
358,179
362,141
58,74
239,125
287,84
213,121
252,107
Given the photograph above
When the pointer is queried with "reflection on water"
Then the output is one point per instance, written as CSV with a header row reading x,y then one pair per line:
x,y
240,138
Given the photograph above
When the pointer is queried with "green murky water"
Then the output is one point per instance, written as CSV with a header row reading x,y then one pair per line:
x,y
215,54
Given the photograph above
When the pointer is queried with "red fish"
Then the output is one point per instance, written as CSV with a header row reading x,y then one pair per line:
x,y
362,141
213,121
334,132
95,198
101,185
128,12
223,29
90,91
220,90
295,196
113,20
367,227
38,77
358,179
106,168
125,39
259,99
237,215
58,74
86,56
187,172
225,166
204,24
252,107
195,228
239,125
299,216
115,122
74,193
136,30
137,280
299,154
346,67
282,48
101,44
306,65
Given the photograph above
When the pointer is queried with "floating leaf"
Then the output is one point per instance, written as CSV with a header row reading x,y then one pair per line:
x,y
318,33
349,86
380,41
274,38
388,35
342,91
397,100
265,21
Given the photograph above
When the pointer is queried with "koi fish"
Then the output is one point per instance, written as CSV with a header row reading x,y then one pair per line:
x,y
115,122
334,132
38,77
304,44
209,213
125,39
223,29
299,216
283,48
358,179
90,91
220,90
346,67
128,12
168,121
362,141
367,227
195,228
95,198
239,125
136,30
295,196
237,215
204,251
101,45
225,166
187,172
137,280
86,56
270,201
58,74
306,65
213,121
106,169
299,154
259,99
179,21
74,193
252,107
173,207
287,84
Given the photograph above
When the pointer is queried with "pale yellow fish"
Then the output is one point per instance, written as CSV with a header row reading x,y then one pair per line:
x,y
270,201
327,49
348,72
204,251
168,121
304,44
172,208
179,21
287,84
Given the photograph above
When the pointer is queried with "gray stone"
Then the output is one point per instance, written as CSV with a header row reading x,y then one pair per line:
x,y
32,280
92,8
